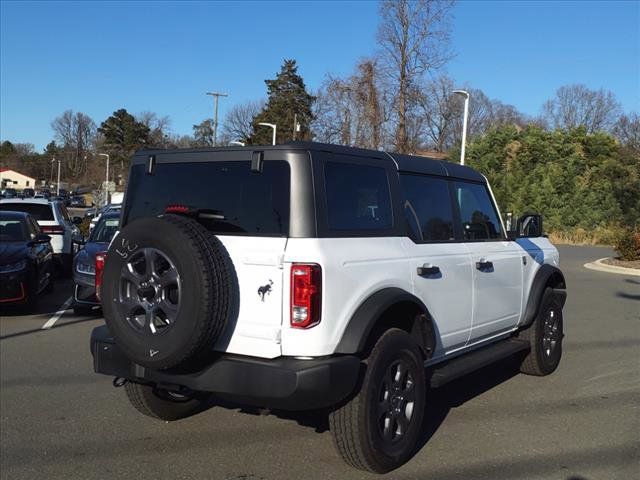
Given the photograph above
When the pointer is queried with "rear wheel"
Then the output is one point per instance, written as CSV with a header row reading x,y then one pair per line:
x,y
545,336
378,429
164,404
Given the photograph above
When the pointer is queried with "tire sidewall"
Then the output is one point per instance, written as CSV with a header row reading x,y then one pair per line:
x,y
156,232
394,345
548,363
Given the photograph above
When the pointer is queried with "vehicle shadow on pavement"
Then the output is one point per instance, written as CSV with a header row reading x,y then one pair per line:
x,y
441,400
57,325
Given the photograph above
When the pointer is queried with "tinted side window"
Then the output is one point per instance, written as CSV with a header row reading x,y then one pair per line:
x,y
358,197
479,217
428,206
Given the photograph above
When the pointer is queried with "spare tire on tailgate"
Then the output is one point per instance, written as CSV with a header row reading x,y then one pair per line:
x,y
168,290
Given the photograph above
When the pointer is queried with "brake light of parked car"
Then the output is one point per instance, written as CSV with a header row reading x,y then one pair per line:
x,y
306,295
100,259
52,229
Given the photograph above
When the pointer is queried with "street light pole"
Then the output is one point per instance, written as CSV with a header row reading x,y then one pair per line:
x,y
58,192
465,94
215,96
106,183
273,126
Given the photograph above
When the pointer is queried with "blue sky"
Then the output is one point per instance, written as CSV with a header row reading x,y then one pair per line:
x,y
96,57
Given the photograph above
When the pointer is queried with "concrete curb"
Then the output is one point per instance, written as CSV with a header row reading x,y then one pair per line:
x,y
603,267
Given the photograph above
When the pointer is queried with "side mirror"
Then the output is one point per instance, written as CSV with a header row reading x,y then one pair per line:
x,y
76,220
529,225
78,241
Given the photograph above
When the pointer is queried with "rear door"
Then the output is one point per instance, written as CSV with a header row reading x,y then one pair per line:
x,y
496,262
249,212
440,265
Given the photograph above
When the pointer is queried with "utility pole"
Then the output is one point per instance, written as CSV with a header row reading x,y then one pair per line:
x,y
215,96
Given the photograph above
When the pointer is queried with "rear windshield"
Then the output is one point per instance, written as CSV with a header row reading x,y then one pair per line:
x,y
12,230
39,211
105,230
233,199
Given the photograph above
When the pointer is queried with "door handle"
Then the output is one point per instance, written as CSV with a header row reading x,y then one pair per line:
x,y
484,264
428,269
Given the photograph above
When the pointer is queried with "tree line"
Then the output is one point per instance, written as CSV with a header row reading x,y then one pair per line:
x,y
576,161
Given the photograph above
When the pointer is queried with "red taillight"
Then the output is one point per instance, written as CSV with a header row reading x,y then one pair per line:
x,y
306,295
52,229
100,259
176,209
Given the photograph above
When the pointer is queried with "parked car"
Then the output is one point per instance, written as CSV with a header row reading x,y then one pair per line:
x,y
43,193
54,220
28,192
9,193
77,201
84,293
26,260
312,276
111,208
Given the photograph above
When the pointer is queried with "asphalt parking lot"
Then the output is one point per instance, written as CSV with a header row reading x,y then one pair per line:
x,y
58,420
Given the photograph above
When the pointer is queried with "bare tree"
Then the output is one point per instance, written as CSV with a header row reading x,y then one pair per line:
x,y
238,123
159,129
414,37
352,111
203,133
627,130
442,112
76,133
439,110
577,105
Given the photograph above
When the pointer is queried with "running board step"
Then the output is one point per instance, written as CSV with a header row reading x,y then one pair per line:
x,y
475,360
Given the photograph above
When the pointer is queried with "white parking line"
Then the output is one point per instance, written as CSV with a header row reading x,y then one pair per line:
x,y
63,308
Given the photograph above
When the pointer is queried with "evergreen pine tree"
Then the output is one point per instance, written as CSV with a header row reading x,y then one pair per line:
x,y
287,98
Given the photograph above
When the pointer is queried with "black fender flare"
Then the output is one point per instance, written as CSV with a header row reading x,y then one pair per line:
x,y
547,275
356,334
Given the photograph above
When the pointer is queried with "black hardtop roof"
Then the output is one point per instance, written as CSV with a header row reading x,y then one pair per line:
x,y
404,163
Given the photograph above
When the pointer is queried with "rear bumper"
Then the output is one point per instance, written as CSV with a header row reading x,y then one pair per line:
x,y
284,383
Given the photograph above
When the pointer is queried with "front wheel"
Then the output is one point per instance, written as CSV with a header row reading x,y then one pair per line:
x,y
163,404
545,336
378,429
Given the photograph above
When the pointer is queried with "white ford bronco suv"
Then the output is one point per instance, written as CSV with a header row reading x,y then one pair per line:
x,y
311,276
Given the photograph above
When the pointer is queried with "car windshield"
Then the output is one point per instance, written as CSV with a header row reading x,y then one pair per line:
x,y
105,230
39,211
12,230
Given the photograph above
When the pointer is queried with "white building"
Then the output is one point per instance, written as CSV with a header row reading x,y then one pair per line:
x,y
12,179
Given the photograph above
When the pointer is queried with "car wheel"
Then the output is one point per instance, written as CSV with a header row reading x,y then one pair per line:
x,y
545,336
378,429
169,290
163,404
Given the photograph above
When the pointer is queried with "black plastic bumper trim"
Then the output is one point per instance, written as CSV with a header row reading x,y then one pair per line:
x,y
286,383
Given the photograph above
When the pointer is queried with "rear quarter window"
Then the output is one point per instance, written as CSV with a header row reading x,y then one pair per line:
x,y
358,197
